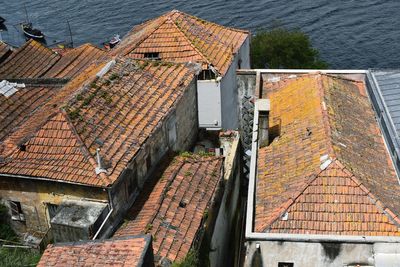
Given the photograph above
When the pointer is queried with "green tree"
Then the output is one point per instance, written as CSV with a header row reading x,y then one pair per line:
x,y
281,48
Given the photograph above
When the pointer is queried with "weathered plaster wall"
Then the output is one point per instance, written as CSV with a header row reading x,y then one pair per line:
x,y
229,92
307,254
209,99
222,236
34,195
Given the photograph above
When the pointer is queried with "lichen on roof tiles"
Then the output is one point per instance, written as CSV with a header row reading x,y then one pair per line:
x,y
122,109
180,37
328,172
173,204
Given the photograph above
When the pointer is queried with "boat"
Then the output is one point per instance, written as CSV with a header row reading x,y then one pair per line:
x,y
113,42
31,32
2,20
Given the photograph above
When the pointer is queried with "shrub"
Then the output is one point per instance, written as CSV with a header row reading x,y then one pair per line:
x,y
282,48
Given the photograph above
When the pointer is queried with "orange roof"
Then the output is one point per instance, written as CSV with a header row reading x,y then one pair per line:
x,y
29,61
5,51
74,61
60,139
34,60
129,251
172,207
180,37
16,108
328,172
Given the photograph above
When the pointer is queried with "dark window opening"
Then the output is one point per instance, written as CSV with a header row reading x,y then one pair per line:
x,y
52,208
285,264
133,181
206,75
16,211
239,64
152,55
148,162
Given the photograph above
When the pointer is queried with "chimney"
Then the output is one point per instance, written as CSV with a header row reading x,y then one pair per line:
x,y
263,107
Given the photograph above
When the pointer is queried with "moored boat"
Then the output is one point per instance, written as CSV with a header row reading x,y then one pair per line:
x,y
31,32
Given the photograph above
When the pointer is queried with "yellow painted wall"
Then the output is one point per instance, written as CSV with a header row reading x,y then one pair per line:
x,y
34,196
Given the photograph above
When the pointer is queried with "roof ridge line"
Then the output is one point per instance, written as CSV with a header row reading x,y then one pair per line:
x,y
325,115
85,151
213,23
190,42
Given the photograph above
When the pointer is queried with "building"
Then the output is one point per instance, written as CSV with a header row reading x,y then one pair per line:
x,y
191,205
34,60
179,37
135,251
74,156
323,188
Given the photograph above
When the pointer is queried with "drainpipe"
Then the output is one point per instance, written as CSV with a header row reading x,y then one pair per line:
x,y
108,215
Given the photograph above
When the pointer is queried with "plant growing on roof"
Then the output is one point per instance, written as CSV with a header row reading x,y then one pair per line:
x,y
283,48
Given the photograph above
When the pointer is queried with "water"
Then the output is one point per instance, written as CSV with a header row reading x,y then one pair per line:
x,y
348,33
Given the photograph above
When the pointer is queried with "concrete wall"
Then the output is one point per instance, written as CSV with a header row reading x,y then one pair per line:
x,y
307,254
34,195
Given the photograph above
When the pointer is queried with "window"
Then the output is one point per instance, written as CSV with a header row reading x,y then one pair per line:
x,y
52,209
152,55
206,75
148,162
285,264
16,211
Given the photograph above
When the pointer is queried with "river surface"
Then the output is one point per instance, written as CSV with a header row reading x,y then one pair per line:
x,y
348,34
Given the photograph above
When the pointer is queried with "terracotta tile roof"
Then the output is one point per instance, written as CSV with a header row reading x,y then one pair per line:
x,y
74,61
325,173
180,37
29,61
116,113
5,51
172,207
129,251
16,108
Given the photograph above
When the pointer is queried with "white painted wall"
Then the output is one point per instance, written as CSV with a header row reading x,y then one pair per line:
x,y
229,90
223,108
209,103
